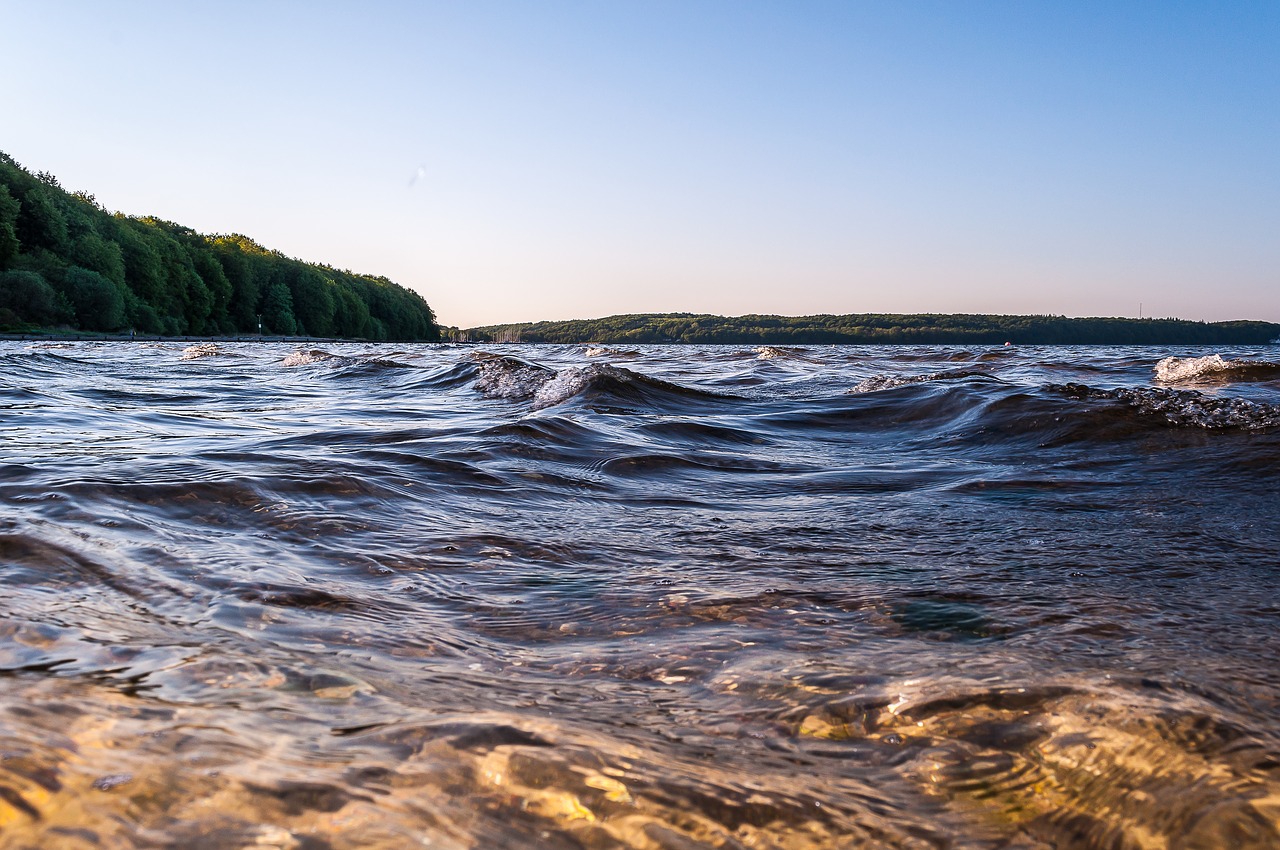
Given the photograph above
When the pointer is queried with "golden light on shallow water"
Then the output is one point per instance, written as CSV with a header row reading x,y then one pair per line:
x,y
89,766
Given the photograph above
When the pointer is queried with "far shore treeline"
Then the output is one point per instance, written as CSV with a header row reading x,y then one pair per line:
x,y
67,262
872,328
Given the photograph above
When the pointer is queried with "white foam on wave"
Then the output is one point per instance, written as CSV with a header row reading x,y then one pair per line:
x,y
206,349
1173,369
307,357
1186,408
603,350
507,377
773,352
887,382
567,383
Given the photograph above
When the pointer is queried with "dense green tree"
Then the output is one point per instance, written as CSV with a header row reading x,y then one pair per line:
x,y
215,280
277,309
99,303
92,252
351,314
246,271
9,244
39,223
83,264
313,302
30,298
143,271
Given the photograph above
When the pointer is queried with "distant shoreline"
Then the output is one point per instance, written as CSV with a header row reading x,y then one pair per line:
x,y
874,329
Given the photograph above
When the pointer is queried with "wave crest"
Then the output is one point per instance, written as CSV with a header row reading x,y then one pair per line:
x,y
886,382
308,357
1214,367
206,349
1184,408
505,377
509,377
773,352
312,356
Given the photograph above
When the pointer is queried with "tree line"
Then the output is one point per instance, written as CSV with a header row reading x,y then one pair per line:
x,y
66,261
877,328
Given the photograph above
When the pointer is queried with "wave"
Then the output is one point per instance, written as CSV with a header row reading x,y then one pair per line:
x,y
503,376
603,382
207,349
313,356
886,382
773,352
308,357
1215,368
1183,408
506,377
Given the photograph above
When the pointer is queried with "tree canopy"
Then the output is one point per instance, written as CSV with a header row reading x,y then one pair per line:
x,y
64,260
873,328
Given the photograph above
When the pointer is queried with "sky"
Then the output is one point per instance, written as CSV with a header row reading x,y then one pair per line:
x,y
553,160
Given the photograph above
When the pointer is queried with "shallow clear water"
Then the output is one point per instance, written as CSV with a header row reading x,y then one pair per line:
x,y
658,597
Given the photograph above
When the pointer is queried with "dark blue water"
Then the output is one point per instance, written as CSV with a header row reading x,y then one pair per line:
x,y
661,597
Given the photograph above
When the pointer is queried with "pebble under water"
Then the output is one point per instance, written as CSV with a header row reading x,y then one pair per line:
x,y
432,596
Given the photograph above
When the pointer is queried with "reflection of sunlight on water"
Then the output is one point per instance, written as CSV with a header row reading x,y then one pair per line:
x,y
1103,766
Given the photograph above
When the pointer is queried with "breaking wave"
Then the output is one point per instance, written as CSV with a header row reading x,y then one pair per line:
x,y
886,382
206,349
511,378
774,352
505,377
1214,368
1183,408
313,356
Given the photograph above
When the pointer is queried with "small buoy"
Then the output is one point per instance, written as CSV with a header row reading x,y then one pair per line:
x,y
1008,343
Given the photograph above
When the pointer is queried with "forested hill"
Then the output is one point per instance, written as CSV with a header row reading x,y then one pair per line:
x,y
64,260
876,328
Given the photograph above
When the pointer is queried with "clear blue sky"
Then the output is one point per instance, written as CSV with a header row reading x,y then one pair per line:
x,y
550,160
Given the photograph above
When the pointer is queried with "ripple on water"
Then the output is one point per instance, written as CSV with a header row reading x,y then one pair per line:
x,y
366,597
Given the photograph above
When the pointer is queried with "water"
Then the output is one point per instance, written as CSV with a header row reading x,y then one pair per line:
x,y
661,597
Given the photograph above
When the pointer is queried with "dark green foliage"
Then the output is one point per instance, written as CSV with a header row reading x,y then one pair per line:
x,y
143,272
142,316
39,223
98,302
351,314
313,302
870,328
245,269
215,280
9,207
92,252
277,310
78,263
29,298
